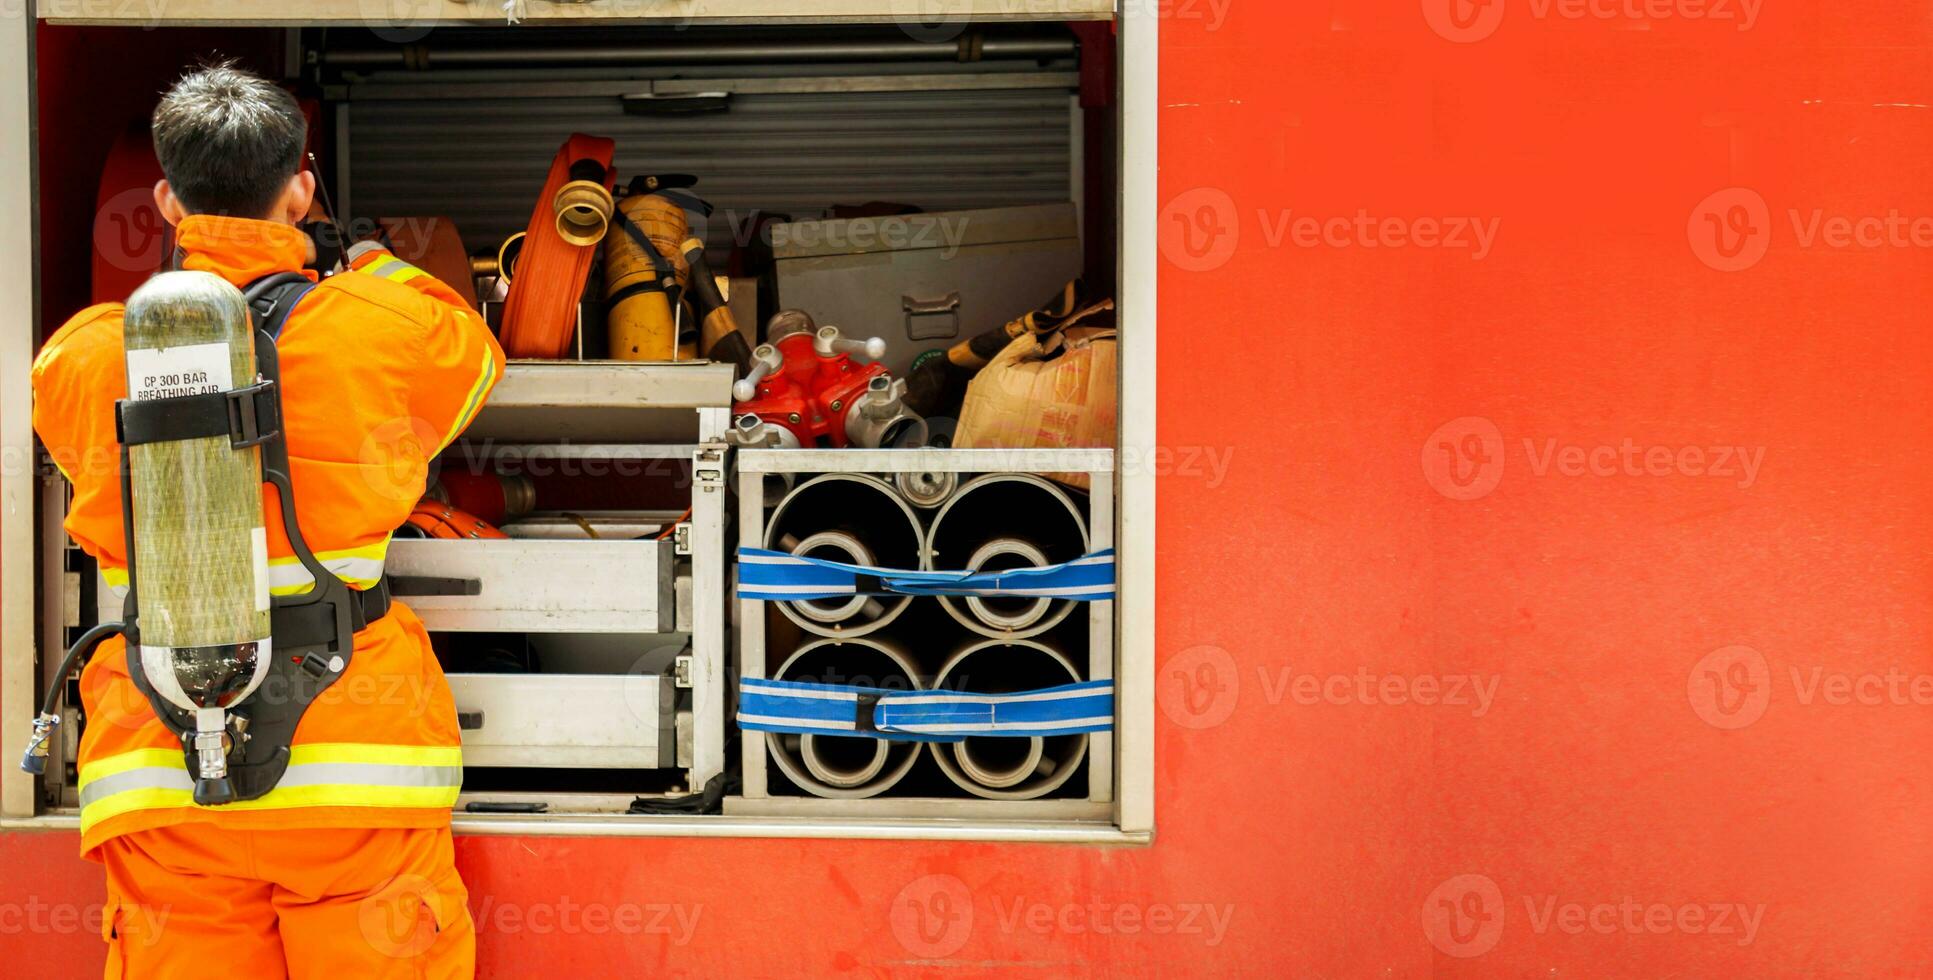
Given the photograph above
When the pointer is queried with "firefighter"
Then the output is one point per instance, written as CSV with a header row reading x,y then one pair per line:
x,y
345,868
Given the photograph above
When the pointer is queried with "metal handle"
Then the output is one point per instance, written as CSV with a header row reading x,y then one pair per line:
x,y
946,306
429,585
765,362
827,342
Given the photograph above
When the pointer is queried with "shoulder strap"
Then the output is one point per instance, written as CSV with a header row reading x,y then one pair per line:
x,y
272,297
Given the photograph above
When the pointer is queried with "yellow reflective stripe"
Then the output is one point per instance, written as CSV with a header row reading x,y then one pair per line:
x,y
393,268
361,567
472,402
384,797
392,755
137,759
156,778
305,754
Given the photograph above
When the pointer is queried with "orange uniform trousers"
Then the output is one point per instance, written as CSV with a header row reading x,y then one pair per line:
x,y
199,901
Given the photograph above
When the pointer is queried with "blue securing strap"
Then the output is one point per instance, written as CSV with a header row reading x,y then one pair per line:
x,y
779,576
923,716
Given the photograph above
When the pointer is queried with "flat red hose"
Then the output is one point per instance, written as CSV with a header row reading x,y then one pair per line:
x,y
540,314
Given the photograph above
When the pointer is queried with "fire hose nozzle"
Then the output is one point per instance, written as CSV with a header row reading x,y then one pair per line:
x,y
827,342
584,205
765,362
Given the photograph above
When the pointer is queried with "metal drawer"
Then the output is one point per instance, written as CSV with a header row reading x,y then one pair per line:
x,y
577,721
534,586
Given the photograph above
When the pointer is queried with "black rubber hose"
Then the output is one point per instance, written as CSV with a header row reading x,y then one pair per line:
x,y
88,641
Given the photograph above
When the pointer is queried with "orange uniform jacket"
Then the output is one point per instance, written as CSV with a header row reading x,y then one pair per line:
x,y
381,368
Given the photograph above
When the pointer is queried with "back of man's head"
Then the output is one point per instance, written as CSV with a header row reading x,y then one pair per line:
x,y
228,141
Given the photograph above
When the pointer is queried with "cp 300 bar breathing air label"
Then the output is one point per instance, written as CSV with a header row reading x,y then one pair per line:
x,y
171,372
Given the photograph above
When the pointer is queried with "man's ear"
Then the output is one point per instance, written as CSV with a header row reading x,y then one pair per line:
x,y
172,210
293,209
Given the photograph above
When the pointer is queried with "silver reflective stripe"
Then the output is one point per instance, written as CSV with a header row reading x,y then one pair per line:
x,y
292,575
370,774
146,777
301,774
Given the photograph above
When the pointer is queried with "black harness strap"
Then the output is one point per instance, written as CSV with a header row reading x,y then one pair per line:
x,y
313,633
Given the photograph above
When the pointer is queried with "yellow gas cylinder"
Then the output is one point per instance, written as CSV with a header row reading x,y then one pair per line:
x,y
640,314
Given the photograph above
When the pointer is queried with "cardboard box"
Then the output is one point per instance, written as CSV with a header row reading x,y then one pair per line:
x,y
1052,392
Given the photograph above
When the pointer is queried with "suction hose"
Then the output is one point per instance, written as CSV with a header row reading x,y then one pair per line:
x,y
850,518
842,766
1003,521
1004,767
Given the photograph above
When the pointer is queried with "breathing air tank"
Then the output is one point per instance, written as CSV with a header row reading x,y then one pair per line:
x,y
200,561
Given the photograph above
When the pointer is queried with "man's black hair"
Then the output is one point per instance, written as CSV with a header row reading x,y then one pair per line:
x,y
228,141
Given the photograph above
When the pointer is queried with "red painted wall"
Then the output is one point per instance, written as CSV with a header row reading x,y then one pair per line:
x,y
1441,503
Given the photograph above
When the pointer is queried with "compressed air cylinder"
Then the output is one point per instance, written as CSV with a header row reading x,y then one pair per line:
x,y
200,549
638,312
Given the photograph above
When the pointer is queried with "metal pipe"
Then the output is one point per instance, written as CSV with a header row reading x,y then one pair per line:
x,y
969,47
851,518
1003,521
838,766
1008,768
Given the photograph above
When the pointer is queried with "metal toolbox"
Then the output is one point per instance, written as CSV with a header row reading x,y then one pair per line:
x,y
536,586
580,721
926,281
625,682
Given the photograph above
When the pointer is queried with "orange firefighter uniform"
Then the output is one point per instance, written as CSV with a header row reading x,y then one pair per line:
x,y
345,868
